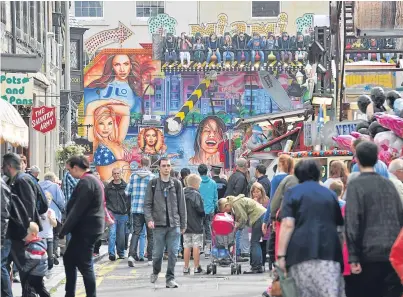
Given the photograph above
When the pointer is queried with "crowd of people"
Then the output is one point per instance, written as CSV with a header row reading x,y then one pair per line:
x,y
333,237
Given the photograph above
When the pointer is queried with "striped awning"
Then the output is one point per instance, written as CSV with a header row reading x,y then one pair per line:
x,y
12,127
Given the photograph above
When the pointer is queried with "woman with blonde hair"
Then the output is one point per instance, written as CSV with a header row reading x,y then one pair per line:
x,y
247,212
107,134
338,172
258,194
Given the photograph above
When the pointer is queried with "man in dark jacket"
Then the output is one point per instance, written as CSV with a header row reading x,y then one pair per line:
x,y
193,237
85,222
26,189
238,183
118,203
5,243
221,183
262,179
165,212
374,219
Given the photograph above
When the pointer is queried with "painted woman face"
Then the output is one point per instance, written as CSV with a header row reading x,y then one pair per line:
x,y
151,137
210,137
121,66
105,127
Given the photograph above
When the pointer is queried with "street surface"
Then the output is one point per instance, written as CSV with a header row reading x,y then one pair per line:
x,y
117,279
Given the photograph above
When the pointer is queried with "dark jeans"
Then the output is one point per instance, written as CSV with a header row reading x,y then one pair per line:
x,y
5,274
117,235
18,255
351,285
56,231
255,248
272,244
49,242
36,283
263,246
378,279
78,255
138,224
169,237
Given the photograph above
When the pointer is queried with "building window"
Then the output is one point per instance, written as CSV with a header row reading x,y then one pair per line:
x,y
89,9
18,14
3,12
158,104
158,97
265,9
146,9
25,16
74,63
32,18
39,17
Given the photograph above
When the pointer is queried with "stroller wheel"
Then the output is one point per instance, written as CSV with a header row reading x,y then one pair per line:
x,y
209,269
214,269
238,269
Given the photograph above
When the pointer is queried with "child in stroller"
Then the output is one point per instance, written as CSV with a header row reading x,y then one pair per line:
x,y
223,239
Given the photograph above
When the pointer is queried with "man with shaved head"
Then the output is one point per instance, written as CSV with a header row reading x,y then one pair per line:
x,y
396,175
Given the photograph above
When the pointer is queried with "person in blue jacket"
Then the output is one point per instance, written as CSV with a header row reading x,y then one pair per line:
x,y
209,192
256,44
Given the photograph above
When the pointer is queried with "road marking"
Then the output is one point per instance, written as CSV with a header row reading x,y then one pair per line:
x,y
100,276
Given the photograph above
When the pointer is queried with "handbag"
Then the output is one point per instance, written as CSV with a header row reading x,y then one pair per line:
x,y
109,220
276,288
287,284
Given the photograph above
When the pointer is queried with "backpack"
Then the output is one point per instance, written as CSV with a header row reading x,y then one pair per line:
x,y
41,200
154,184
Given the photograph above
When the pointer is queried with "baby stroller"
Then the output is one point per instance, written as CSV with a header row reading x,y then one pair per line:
x,y
223,238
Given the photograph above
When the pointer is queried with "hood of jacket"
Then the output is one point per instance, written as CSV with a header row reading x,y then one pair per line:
x,y
209,193
142,173
190,192
46,185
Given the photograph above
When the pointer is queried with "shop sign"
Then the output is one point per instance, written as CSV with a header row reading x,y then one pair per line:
x,y
17,88
345,128
358,83
43,118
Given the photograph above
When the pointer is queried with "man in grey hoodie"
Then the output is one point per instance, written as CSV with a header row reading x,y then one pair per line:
x,y
136,190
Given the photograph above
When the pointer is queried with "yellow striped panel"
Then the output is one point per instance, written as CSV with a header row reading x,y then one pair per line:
x,y
198,93
180,115
189,104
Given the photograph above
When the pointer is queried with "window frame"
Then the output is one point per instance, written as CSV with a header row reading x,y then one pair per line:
x,y
90,17
267,17
145,18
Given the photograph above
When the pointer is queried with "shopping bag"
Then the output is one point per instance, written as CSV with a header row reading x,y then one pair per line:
x,y
287,284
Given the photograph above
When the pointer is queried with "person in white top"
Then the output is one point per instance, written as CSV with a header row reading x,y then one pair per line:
x,y
396,175
48,221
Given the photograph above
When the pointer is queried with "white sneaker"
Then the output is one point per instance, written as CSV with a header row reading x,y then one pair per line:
x,y
130,261
150,263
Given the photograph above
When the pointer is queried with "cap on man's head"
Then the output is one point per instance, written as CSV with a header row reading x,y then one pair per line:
x,y
241,163
35,169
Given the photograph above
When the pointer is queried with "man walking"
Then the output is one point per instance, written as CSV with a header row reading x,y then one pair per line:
x,y
374,218
221,182
165,212
238,184
5,195
209,193
85,222
27,191
57,204
262,179
136,191
118,203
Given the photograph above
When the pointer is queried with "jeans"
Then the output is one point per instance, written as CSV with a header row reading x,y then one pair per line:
x,y
56,231
78,255
228,56
5,275
255,248
117,235
165,236
49,242
218,55
138,225
239,57
253,54
36,283
199,56
171,56
142,242
183,56
242,241
207,219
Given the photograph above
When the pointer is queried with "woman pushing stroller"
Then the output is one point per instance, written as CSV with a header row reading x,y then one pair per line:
x,y
247,212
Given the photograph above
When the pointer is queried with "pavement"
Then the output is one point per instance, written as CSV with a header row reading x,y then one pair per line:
x,y
116,278
58,277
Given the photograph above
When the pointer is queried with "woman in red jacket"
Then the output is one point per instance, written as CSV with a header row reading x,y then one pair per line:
x,y
396,256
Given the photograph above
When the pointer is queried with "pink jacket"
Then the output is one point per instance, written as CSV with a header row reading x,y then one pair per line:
x,y
347,270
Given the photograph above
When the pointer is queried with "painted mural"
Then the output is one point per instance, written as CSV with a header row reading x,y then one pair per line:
x,y
129,98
